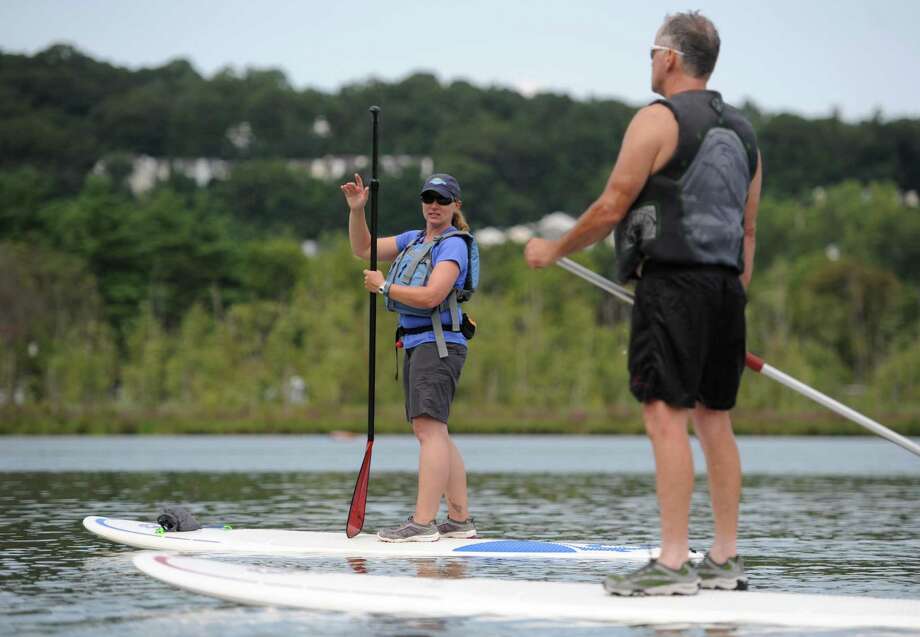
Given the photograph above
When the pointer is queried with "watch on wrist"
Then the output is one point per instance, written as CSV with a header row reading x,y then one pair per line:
x,y
384,288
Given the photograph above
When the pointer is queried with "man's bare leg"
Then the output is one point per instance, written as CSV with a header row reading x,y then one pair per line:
x,y
667,428
714,431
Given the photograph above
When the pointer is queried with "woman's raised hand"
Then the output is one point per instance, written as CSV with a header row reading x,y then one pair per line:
x,y
355,193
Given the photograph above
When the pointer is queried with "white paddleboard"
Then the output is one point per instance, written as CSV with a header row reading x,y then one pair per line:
x,y
148,535
415,596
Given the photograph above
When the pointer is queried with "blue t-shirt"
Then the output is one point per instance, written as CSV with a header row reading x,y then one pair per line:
x,y
452,249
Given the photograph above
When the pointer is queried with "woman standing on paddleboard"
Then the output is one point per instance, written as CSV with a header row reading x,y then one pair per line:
x,y
433,271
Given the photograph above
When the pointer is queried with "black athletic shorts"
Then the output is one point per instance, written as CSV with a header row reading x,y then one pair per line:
x,y
687,342
430,382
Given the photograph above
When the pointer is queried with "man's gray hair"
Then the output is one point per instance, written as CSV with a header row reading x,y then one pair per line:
x,y
696,36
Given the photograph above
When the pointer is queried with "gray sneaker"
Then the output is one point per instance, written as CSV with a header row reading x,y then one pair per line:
x,y
410,532
655,579
729,576
452,528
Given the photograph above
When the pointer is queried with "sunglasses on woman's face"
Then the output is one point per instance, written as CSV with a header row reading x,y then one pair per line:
x,y
430,196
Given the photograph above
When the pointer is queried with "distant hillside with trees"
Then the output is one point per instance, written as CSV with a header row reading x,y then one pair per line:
x,y
518,157
192,304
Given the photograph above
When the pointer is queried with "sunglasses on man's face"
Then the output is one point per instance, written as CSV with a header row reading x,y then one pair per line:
x,y
430,196
658,47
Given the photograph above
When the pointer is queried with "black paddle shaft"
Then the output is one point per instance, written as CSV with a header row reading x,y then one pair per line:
x,y
372,356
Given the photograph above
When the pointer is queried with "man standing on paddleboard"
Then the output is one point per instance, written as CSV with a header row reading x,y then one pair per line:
x,y
682,199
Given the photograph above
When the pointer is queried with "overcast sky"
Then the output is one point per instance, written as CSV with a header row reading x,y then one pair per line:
x,y
805,56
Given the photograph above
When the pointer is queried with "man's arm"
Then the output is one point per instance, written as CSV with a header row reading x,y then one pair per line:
x,y
750,223
648,144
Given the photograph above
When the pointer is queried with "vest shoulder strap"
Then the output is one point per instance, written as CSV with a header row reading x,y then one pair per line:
x,y
696,113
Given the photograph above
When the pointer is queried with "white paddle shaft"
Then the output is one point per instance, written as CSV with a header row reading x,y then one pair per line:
x,y
840,408
758,365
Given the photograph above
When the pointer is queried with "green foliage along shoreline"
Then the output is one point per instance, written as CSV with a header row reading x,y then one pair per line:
x,y
289,354
193,309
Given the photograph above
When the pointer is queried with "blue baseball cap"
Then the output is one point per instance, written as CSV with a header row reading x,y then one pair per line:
x,y
444,185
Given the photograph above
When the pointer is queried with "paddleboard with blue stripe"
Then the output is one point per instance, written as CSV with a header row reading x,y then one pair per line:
x,y
223,539
518,599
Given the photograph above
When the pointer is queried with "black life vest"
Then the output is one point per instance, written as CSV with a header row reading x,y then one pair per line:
x,y
691,212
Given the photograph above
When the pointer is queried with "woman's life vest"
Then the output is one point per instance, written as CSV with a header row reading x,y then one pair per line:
x,y
413,267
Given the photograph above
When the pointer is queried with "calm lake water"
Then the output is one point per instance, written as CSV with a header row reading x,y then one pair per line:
x,y
819,515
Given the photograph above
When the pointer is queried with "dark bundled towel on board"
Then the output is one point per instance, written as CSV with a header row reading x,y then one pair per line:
x,y
177,519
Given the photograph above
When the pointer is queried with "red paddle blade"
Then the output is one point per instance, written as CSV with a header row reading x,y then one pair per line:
x,y
359,499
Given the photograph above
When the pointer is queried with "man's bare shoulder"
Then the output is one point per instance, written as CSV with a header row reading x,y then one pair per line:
x,y
655,115
653,125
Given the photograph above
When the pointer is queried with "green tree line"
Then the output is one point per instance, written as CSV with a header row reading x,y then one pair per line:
x,y
187,306
61,111
122,311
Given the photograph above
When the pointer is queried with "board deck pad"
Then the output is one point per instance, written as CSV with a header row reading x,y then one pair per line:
x,y
417,596
220,539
